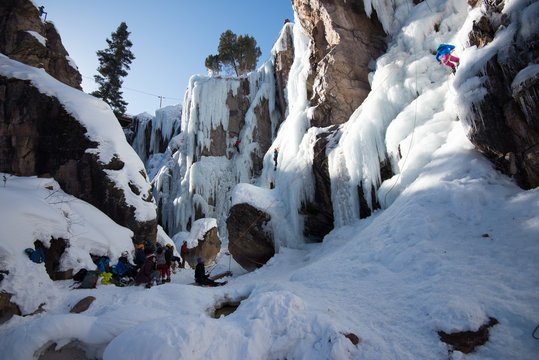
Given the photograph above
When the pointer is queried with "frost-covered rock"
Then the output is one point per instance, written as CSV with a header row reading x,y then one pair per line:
x,y
152,134
25,38
52,130
202,165
499,88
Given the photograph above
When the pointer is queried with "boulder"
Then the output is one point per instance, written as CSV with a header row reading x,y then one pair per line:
x,y
207,248
82,305
344,41
250,244
25,38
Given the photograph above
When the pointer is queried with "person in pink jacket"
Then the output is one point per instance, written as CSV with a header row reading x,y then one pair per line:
x,y
443,56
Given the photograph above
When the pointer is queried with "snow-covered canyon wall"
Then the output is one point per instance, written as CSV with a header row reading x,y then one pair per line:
x,y
333,169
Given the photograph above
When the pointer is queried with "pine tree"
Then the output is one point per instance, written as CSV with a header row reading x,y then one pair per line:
x,y
235,53
113,65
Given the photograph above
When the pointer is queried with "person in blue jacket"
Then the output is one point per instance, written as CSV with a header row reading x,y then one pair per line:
x,y
443,56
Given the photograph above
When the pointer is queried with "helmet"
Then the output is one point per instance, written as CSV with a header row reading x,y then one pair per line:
x,y
199,259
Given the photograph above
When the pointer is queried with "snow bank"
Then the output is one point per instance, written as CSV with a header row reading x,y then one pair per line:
x,y
40,210
101,126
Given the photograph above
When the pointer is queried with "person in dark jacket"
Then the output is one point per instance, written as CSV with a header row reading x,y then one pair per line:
x,y
140,257
170,259
147,273
201,277
124,267
275,156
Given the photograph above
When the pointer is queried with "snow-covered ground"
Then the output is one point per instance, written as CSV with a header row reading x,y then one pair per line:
x,y
455,244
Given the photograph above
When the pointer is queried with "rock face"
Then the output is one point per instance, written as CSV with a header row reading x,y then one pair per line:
x,y
40,138
319,213
249,243
25,38
344,42
505,124
208,248
284,58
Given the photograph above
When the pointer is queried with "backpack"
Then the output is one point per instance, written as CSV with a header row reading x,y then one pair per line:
x,y
37,256
89,281
79,276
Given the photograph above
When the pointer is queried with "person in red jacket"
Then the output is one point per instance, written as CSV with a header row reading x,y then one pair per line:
x,y
236,145
147,273
183,253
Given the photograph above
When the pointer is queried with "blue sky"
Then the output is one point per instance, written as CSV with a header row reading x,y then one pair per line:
x,y
171,38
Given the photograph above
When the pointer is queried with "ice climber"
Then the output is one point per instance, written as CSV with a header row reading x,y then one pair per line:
x,y
275,156
443,56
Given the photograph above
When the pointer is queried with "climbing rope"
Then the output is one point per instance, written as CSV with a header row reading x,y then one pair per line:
x,y
534,331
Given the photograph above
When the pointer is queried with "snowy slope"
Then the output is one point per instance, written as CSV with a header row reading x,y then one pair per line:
x,y
455,244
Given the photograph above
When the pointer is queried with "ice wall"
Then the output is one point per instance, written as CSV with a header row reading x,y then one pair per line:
x,y
153,133
201,171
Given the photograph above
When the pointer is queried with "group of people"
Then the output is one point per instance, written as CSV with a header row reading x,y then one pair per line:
x,y
154,264
155,267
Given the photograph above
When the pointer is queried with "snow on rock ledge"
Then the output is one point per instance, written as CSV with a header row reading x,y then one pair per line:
x,y
76,139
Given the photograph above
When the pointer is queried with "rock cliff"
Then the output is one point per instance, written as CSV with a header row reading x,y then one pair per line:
x,y
345,42
39,137
504,124
26,38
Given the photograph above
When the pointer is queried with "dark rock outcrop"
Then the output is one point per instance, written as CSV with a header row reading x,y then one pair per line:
x,y
53,253
344,41
505,124
207,248
22,34
318,213
38,137
249,243
7,308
